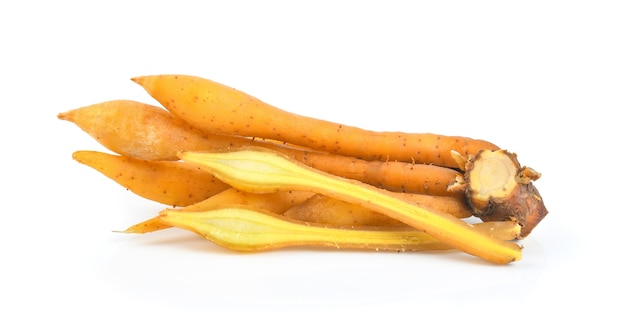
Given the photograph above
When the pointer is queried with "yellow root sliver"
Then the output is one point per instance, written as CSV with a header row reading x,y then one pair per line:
x,y
262,170
245,229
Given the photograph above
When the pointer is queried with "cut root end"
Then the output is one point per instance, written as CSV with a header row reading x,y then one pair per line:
x,y
499,189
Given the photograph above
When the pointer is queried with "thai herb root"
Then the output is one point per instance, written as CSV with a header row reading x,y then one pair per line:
x,y
249,176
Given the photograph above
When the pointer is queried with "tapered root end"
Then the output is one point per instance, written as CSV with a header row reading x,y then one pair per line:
x,y
82,156
499,189
144,81
65,116
138,80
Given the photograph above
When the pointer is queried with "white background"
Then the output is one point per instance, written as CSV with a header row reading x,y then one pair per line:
x,y
545,79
